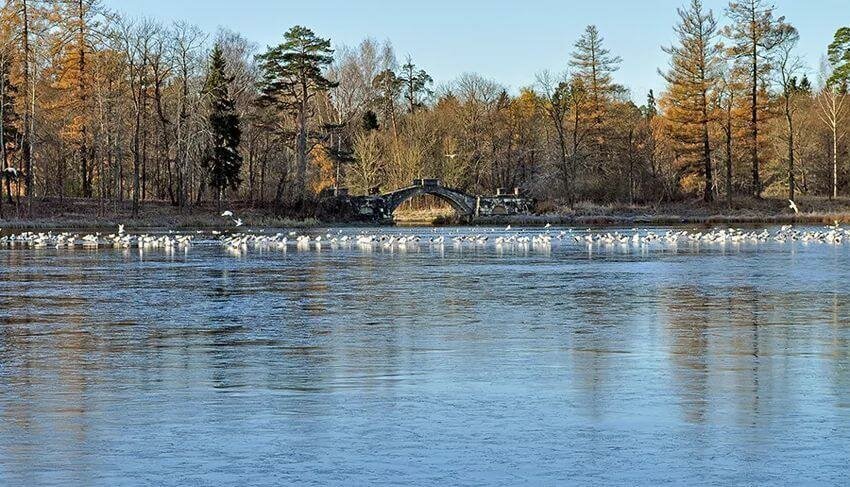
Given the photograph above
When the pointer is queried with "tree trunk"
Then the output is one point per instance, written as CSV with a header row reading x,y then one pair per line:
x,y
81,98
754,130
728,134
26,143
3,149
708,194
790,121
137,128
301,175
834,156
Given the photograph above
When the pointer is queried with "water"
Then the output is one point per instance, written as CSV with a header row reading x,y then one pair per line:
x,y
448,366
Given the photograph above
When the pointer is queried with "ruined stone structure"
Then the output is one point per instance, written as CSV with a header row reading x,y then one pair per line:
x,y
380,207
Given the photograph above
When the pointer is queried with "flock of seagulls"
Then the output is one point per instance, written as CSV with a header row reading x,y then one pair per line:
x,y
375,240
833,234
119,240
508,238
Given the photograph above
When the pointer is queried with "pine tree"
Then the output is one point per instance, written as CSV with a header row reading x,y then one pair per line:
x,y
416,85
839,57
223,160
77,40
594,66
755,33
369,121
292,78
691,78
388,87
651,108
593,92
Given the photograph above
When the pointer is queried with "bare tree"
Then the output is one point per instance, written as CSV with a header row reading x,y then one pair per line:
x,y
788,67
831,101
555,98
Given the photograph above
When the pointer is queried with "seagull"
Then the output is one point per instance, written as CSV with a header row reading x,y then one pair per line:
x,y
227,214
120,229
548,225
451,156
793,206
238,222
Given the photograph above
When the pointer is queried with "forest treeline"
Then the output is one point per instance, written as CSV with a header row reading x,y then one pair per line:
x,y
127,110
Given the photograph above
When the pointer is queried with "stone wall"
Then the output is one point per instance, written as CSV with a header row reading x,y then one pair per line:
x,y
504,205
374,208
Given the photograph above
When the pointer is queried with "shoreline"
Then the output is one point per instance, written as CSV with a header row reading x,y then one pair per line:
x,y
667,220
210,222
86,214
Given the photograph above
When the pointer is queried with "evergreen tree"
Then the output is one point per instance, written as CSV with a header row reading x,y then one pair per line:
x,y
755,33
802,86
593,95
292,78
651,108
839,58
416,85
80,30
693,73
369,122
388,87
594,66
223,160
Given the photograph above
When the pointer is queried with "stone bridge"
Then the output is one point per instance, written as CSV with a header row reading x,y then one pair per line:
x,y
463,203
380,207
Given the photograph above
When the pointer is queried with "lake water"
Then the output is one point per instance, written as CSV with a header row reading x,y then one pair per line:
x,y
710,364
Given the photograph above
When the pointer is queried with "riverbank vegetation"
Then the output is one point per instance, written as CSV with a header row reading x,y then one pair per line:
x,y
133,113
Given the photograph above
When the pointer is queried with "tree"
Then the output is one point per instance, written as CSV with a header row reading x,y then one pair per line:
x,y
416,85
365,172
9,118
81,22
292,78
754,33
355,69
839,57
593,92
788,66
223,160
388,86
136,40
23,11
594,66
554,100
831,101
691,79
187,42
725,105
369,121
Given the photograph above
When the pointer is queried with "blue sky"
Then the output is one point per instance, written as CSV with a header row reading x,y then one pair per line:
x,y
508,41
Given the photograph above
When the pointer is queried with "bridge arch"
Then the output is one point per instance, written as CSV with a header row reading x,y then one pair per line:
x,y
463,203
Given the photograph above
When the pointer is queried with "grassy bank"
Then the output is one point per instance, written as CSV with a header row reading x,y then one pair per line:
x,y
82,214
813,211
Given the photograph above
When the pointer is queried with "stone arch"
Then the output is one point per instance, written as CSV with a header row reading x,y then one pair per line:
x,y
461,202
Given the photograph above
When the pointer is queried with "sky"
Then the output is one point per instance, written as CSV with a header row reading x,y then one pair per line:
x,y
508,41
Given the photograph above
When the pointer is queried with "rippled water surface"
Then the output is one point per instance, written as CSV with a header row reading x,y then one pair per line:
x,y
686,364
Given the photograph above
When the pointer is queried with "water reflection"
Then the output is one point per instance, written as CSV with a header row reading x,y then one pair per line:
x,y
445,365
